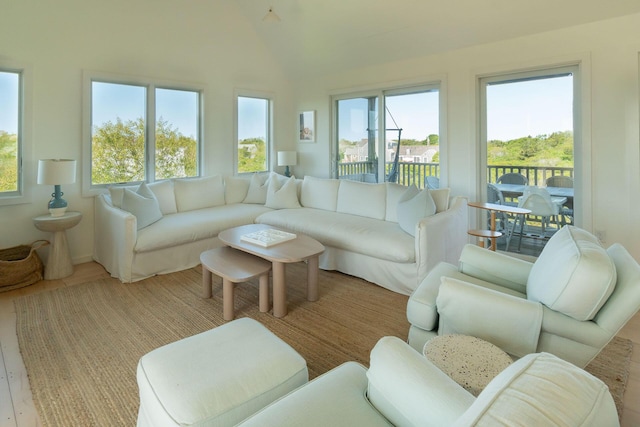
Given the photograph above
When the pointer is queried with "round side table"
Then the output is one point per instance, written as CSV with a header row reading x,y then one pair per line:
x,y
469,361
59,263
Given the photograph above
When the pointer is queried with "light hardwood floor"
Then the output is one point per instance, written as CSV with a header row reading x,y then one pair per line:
x,y
16,404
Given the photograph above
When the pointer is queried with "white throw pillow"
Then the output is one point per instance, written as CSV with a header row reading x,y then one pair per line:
x,y
413,206
143,204
282,196
117,192
573,275
165,195
198,193
258,187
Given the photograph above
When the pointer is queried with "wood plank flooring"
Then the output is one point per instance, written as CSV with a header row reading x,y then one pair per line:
x,y
16,404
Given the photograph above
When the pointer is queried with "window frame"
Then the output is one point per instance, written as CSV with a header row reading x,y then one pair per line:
x,y
26,168
150,85
270,98
581,154
381,92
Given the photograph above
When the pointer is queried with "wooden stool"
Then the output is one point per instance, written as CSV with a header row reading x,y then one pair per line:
x,y
486,234
234,267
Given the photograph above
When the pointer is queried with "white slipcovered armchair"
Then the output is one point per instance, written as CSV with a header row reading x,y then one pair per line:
x,y
571,302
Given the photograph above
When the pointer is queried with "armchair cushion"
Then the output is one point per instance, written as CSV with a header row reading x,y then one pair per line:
x,y
411,391
507,321
573,275
542,389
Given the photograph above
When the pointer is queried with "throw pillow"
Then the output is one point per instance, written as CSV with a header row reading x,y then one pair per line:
x,y
257,192
199,193
282,196
143,204
413,206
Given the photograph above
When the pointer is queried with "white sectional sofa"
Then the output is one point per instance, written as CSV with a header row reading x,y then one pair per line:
x,y
385,233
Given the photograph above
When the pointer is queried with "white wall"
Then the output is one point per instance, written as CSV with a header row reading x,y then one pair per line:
x,y
608,53
198,42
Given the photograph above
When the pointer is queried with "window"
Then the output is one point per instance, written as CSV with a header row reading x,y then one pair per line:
x,y
10,133
409,133
253,132
142,131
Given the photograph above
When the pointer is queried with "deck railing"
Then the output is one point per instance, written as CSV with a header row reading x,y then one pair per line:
x,y
415,173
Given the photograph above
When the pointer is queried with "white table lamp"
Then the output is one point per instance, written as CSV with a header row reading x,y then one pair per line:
x,y
57,172
287,158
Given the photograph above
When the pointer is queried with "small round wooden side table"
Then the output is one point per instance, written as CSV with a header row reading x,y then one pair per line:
x,y
469,361
59,264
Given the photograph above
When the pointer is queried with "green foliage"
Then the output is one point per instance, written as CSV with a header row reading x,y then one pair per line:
x,y
544,150
252,155
118,152
8,161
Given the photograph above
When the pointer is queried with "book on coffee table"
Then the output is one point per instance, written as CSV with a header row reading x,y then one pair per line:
x,y
268,237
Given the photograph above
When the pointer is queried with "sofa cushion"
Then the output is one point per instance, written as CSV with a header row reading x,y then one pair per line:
x,y
373,237
282,195
573,275
186,227
540,387
164,192
198,193
257,192
143,204
362,199
319,193
413,206
235,189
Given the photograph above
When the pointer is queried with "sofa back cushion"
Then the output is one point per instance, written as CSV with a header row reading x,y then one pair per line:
x,y
319,193
538,387
394,193
235,189
440,197
164,192
198,193
362,199
573,275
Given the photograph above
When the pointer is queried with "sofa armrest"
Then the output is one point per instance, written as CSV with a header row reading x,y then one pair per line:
x,y
115,235
409,390
441,237
495,267
509,322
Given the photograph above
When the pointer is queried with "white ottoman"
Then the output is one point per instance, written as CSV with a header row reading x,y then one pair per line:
x,y
218,377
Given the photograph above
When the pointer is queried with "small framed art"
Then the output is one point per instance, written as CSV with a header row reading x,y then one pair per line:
x,y
307,126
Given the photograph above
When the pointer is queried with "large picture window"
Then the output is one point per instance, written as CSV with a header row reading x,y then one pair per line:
x,y
142,131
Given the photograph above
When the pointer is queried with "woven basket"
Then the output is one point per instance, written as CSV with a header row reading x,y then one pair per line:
x,y
20,266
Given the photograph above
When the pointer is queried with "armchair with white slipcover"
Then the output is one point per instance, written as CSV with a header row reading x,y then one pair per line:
x,y
571,302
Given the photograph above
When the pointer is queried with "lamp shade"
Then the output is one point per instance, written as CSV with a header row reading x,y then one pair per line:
x,y
287,158
56,171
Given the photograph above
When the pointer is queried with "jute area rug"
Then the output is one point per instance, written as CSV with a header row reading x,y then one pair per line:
x,y
81,344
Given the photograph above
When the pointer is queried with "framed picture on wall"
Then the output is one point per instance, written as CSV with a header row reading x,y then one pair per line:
x,y
307,126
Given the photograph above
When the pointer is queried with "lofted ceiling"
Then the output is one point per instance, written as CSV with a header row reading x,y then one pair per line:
x,y
315,36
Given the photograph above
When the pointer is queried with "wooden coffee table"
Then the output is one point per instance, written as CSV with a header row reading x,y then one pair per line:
x,y
302,248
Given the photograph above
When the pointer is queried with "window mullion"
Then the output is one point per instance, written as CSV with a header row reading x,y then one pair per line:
x,y
150,134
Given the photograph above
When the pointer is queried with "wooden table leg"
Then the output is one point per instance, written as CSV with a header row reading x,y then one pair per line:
x,y
493,228
264,292
206,283
279,290
312,278
227,299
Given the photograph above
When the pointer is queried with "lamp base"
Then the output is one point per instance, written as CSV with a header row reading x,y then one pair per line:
x,y
56,212
287,172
